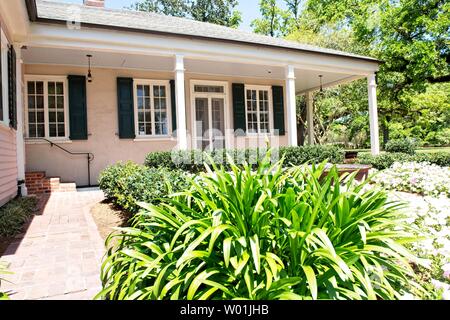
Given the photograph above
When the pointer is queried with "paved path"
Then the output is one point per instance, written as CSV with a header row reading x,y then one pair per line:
x,y
60,253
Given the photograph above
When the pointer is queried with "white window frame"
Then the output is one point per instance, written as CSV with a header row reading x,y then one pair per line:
x,y
5,83
259,88
46,79
151,83
225,95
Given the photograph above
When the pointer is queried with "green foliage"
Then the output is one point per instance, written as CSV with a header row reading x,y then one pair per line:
x,y
386,160
128,183
14,214
272,233
3,271
219,12
402,146
193,160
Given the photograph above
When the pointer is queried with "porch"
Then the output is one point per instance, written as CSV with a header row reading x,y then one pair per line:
x,y
143,99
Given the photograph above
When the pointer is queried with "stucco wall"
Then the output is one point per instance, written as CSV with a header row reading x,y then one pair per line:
x,y
103,141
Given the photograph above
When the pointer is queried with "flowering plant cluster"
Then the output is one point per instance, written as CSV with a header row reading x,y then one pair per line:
x,y
430,217
422,178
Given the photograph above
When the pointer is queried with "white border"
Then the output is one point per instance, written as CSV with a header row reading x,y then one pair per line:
x,y
270,100
46,79
209,96
151,83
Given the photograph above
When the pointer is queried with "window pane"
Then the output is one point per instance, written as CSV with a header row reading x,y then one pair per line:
x,y
59,88
52,116
51,88
40,87
60,101
31,87
32,130
52,128
147,91
31,102
140,91
148,128
51,102
40,117
141,129
140,116
31,117
61,130
40,102
40,130
148,117
60,116
147,104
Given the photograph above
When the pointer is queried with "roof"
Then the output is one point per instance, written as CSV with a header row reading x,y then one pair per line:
x,y
51,11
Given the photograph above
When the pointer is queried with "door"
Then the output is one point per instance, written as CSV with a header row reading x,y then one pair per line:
x,y
209,117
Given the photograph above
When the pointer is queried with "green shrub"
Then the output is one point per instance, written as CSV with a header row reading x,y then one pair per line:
x,y
14,214
267,234
407,146
386,160
128,183
192,161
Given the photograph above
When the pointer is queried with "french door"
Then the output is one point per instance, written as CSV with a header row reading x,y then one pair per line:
x,y
209,118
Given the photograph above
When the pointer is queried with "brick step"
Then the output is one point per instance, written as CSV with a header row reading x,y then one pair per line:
x,y
38,183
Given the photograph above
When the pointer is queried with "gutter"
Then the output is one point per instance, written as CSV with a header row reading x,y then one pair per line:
x,y
33,16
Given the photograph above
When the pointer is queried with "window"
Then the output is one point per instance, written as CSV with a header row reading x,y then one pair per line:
x,y
258,109
208,89
46,107
152,112
4,80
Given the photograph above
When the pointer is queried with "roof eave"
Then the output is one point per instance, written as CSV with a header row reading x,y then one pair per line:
x,y
33,16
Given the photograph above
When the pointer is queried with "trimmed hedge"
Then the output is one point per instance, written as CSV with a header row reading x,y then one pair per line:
x,y
386,160
407,146
192,160
14,214
128,183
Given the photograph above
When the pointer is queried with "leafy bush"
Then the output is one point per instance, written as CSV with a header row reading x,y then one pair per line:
x,y
422,178
193,160
14,214
407,146
386,160
272,233
128,183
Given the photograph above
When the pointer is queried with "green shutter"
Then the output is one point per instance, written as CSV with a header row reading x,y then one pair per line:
x,y
174,106
239,108
125,108
77,108
12,94
278,110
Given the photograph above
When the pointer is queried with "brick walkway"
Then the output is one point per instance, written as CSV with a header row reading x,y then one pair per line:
x,y
60,253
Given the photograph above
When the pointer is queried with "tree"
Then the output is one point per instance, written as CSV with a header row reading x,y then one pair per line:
x,y
274,20
411,37
219,12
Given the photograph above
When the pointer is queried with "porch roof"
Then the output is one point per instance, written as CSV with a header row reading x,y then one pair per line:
x,y
127,20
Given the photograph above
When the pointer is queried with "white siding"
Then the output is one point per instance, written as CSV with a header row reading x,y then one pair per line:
x,y
8,164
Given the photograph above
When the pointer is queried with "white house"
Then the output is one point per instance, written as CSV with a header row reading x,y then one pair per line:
x,y
115,84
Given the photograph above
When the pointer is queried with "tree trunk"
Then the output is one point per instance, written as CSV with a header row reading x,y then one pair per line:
x,y
385,129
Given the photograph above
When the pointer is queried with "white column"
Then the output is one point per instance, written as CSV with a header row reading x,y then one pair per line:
x,y
181,102
310,116
373,114
20,144
291,106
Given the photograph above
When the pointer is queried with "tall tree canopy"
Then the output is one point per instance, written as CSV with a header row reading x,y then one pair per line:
x,y
412,37
220,12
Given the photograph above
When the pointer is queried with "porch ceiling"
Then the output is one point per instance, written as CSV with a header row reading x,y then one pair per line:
x,y
306,79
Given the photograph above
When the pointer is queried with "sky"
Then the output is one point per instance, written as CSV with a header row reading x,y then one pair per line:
x,y
248,8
